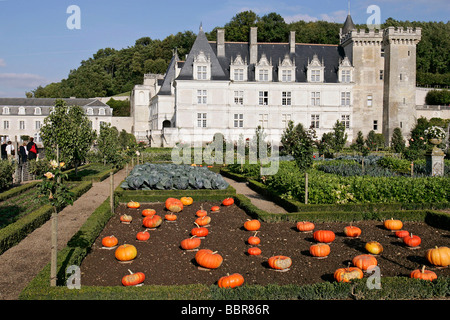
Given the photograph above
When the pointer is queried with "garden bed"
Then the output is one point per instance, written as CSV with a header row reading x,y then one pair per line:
x,y
165,263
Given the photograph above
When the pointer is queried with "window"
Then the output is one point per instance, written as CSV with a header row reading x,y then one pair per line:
x,y
345,98
37,111
201,120
369,100
381,74
345,119
315,118
90,111
263,120
37,125
285,118
315,75
315,98
263,75
375,125
21,110
238,120
201,96
5,124
239,97
286,98
5,110
239,74
22,125
263,98
346,76
201,73
286,75
101,112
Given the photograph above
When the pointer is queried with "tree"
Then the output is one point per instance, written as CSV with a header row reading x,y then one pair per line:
x,y
272,28
339,136
288,139
397,141
301,145
68,128
238,29
107,144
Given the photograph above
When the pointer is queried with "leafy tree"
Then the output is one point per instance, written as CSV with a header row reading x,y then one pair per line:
x,y
438,97
397,141
288,139
272,28
303,147
359,142
68,128
325,145
238,29
339,136
107,145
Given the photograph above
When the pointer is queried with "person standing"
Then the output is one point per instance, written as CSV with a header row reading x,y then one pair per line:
x,y
23,153
10,151
32,149
3,148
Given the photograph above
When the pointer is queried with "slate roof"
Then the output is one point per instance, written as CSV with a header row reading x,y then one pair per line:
x,y
348,25
48,102
331,55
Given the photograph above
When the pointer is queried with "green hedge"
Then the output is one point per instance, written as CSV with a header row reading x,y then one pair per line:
x,y
16,191
16,232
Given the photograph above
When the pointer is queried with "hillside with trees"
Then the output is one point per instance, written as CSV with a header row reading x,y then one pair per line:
x,y
111,71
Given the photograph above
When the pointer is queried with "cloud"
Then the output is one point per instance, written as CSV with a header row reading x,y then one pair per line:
x,y
21,80
336,16
2,63
299,17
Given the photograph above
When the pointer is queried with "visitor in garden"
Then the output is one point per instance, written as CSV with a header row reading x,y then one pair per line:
x,y
32,149
23,153
3,148
10,151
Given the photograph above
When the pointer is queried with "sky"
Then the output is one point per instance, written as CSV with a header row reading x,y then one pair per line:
x,y
41,41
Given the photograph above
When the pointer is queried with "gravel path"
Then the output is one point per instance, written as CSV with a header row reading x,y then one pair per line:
x,y
21,263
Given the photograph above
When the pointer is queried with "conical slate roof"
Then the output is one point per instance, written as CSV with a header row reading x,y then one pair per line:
x,y
348,25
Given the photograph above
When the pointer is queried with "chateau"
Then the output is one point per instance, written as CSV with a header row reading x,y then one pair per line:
x,y
368,82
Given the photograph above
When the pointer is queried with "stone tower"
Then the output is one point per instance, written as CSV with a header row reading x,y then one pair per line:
x,y
399,104
364,49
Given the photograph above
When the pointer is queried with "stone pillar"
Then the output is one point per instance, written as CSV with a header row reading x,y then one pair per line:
x,y
435,162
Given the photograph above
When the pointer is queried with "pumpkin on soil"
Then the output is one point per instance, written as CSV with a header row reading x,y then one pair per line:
x,y
364,261
148,212
186,201
190,243
325,236
254,240
252,225
143,235
174,205
320,250
412,240
228,202
199,231
352,231
348,274
208,259
254,251
279,262
133,204
125,218
439,256
401,233
305,226
423,274
215,208
201,212
170,217
110,241
374,247
133,279
152,222
393,224
126,252
231,281
203,221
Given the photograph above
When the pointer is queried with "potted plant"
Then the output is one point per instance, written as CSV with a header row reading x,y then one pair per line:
x,y
435,134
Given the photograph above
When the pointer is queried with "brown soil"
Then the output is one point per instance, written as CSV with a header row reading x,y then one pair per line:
x,y
165,263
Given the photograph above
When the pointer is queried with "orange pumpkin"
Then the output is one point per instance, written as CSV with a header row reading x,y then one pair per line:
x,y
228,202
170,217
412,240
133,204
348,274
143,235
190,243
231,281
364,261
110,241
186,201
148,212
325,236
133,279
352,231
174,205
401,233
252,225
203,221
208,259
279,262
152,222
374,247
254,251
201,212
423,274
254,240
393,224
125,252
124,218
305,226
438,256
199,231
319,250
215,208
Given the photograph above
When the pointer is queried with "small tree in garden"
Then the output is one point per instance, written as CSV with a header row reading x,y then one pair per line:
x,y
53,190
360,145
397,141
339,136
325,144
303,147
108,145
288,139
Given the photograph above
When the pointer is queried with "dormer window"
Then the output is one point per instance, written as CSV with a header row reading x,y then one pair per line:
x,y
316,70
238,69
101,111
345,71
286,70
37,111
5,110
263,69
21,110
202,67
90,111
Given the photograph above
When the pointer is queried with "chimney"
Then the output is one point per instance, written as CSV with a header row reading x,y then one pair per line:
x,y
292,42
253,45
221,42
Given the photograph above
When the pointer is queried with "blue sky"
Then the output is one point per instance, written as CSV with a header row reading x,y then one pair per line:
x,y
37,47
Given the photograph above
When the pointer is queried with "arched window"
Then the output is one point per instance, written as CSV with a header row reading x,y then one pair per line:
x,y
101,111
37,111
89,111
21,110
